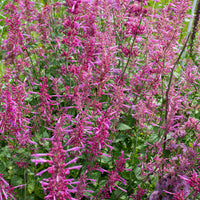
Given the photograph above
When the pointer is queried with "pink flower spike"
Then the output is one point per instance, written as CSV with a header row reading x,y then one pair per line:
x,y
73,198
111,148
88,1
40,173
73,191
108,156
4,193
102,170
44,183
72,161
40,160
73,149
41,154
182,177
3,180
75,167
20,186
168,192
90,191
120,188
33,143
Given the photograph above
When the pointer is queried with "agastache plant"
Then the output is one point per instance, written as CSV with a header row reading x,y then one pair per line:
x,y
58,186
99,99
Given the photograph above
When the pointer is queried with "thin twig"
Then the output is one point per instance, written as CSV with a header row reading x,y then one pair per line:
x,y
168,89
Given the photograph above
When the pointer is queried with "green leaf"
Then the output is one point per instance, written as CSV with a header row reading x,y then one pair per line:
x,y
31,186
153,138
16,180
3,3
123,127
2,17
2,167
39,192
169,135
137,172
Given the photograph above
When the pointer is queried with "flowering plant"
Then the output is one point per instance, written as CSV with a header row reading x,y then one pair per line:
x,y
99,99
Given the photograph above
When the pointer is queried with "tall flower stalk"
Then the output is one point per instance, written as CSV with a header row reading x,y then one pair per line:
x,y
95,92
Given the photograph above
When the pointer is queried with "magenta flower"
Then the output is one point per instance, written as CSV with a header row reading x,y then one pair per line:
x,y
5,189
113,178
180,195
14,124
193,181
58,186
140,192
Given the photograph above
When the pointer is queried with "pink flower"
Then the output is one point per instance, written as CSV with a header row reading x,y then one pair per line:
x,y
58,185
5,189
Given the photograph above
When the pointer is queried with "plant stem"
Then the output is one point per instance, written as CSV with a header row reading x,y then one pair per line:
x,y
168,90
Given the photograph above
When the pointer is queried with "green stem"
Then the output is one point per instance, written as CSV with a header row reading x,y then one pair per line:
x,y
31,63
25,181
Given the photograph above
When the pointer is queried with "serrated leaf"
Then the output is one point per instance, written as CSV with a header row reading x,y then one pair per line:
x,y
123,127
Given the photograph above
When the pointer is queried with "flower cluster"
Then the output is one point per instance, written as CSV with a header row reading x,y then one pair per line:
x,y
98,99
6,191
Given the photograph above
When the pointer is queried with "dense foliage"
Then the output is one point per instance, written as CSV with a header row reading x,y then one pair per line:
x,y
99,99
